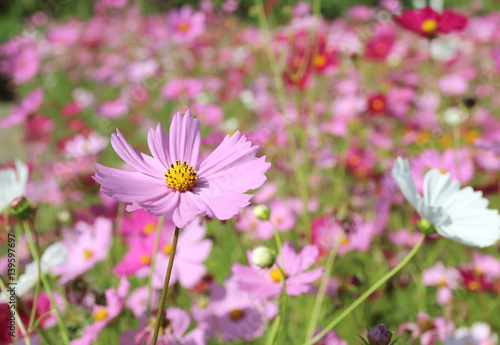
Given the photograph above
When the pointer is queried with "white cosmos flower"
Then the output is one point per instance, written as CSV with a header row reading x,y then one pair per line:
x,y
12,184
54,255
458,214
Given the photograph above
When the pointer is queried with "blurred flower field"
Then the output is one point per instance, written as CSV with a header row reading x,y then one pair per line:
x,y
191,177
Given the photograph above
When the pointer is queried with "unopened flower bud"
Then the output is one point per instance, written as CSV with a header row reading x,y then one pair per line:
x,y
426,226
379,335
263,257
20,208
262,212
469,102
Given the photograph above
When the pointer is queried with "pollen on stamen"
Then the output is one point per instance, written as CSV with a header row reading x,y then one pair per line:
x,y
181,176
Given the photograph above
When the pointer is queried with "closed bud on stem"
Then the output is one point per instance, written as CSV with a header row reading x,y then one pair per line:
x,y
426,226
262,212
263,257
379,335
20,208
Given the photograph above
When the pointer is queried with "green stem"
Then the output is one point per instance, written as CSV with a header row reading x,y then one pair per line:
x,y
37,286
367,294
322,287
280,319
161,306
46,285
159,226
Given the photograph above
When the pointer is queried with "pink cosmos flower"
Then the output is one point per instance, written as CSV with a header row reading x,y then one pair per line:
x,y
139,222
137,301
174,333
486,265
439,275
264,283
25,65
193,250
185,24
234,313
179,88
247,222
87,247
429,331
113,109
357,234
446,278
175,184
104,314
83,146
453,85
459,165
30,104
405,237
138,256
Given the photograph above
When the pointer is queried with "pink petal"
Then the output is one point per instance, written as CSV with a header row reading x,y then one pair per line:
x,y
128,186
158,145
233,165
185,139
163,204
190,273
138,160
222,204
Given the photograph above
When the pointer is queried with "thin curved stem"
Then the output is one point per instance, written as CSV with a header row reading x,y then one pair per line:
x,y
161,306
159,226
367,294
323,285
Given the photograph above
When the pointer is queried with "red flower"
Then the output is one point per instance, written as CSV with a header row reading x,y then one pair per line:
x,y
378,48
377,104
475,282
429,23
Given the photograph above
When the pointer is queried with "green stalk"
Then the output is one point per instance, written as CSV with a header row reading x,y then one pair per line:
x,y
159,226
367,294
46,284
322,287
161,306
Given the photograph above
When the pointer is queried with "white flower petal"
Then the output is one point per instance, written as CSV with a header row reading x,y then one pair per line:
x,y
402,175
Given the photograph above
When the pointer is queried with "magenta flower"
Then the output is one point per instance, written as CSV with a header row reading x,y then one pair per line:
x,y
264,283
89,246
185,24
28,106
174,183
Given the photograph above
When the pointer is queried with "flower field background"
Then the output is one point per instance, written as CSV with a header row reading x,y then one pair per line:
x,y
294,176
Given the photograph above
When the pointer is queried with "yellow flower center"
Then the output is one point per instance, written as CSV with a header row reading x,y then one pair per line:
x,y
478,270
145,259
181,176
429,26
378,104
344,241
149,228
276,275
236,314
183,27
167,249
101,315
471,136
423,137
443,171
87,254
474,285
443,283
319,60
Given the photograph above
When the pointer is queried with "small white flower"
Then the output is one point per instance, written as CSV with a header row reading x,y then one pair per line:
x,y
54,255
458,214
12,184
454,116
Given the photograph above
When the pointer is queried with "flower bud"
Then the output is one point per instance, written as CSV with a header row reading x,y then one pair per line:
x,y
426,226
379,335
20,208
263,257
262,212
